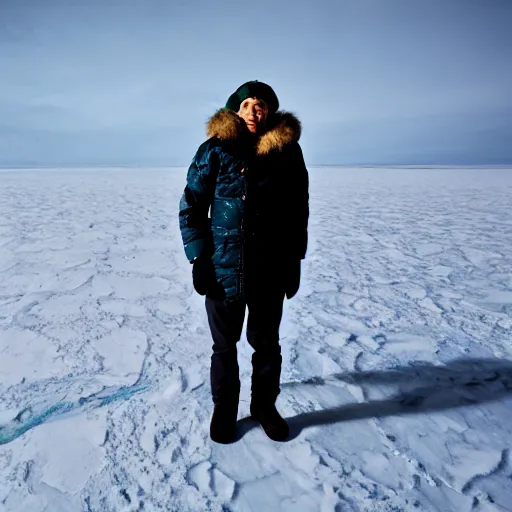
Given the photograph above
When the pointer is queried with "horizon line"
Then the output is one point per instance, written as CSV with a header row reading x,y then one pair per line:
x,y
161,167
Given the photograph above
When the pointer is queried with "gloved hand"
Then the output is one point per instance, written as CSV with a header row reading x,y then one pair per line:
x,y
203,275
292,278
204,278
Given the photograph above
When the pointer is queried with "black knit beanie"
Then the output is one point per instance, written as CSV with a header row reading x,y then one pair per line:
x,y
254,89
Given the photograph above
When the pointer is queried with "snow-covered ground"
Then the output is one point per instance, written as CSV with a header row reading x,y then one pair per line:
x,y
397,378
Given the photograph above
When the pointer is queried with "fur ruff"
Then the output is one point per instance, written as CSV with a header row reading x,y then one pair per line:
x,y
282,129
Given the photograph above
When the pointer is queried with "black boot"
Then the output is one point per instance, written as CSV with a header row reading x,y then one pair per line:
x,y
223,422
226,321
271,421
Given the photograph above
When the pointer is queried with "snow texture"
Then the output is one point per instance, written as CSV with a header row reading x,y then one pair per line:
x,y
397,372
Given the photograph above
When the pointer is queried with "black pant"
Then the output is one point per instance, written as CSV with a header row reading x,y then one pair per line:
x,y
265,305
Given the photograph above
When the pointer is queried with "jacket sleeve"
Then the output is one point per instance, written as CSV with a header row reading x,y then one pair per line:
x,y
195,225
301,196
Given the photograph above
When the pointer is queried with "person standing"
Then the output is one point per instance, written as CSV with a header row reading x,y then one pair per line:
x,y
244,223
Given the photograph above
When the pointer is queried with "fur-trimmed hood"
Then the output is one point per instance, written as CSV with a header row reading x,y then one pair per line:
x,y
282,128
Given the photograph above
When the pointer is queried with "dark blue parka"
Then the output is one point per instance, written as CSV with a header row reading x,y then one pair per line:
x,y
246,201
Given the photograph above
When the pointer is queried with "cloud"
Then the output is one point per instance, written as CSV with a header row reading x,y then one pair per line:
x,y
383,81
435,139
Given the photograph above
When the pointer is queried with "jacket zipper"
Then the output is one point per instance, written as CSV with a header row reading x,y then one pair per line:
x,y
242,257
242,269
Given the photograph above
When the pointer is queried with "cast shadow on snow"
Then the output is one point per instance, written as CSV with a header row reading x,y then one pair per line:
x,y
423,387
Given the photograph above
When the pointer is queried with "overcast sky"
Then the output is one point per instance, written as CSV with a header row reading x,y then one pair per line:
x,y
132,82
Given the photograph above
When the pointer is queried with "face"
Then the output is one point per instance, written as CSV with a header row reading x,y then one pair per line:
x,y
254,112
